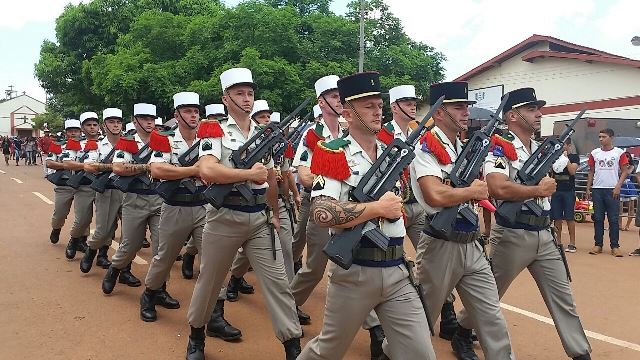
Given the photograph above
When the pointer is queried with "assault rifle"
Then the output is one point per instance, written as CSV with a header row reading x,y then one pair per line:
x,y
167,188
534,169
102,179
76,179
254,150
293,136
465,170
59,177
379,179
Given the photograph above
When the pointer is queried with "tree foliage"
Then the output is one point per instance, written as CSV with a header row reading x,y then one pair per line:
x,y
119,52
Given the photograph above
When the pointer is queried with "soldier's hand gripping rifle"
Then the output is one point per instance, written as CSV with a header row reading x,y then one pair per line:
x,y
102,179
254,150
190,157
534,169
465,170
81,176
379,179
293,136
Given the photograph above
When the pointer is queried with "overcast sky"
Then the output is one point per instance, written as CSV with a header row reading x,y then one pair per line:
x,y
468,32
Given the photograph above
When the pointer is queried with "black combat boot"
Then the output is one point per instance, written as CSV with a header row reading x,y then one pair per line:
x,y
462,344
102,259
195,348
145,243
292,348
55,236
148,305
582,357
237,285
187,265
165,300
219,327
109,281
126,277
87,260
448,321
376,334
82,244
303,317
72,247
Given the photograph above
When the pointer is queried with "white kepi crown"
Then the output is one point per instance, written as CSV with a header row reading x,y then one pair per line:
x,y
275,117
236,76
186,98
260,105
111,113
71,123
144,109
402,92
214,109
316,111
129,127
88,115
159,121
326,83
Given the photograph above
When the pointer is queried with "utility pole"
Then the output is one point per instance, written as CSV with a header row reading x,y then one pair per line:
x,y
361,57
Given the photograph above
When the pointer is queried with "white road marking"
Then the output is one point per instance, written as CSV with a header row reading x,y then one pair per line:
x,y
17,180
138,260
42,197
2,172
591,334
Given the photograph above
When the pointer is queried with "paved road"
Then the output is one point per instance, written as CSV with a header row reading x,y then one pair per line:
x,y
53,311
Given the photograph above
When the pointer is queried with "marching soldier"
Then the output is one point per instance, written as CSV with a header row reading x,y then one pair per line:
x,y
377,279
528,243
240,222
109,203
140,205
63,192
84,195
456,259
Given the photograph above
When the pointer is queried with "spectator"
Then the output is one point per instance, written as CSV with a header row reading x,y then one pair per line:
x,y
6,145
628,195
28,148
563,201
17,148
636,252
608,168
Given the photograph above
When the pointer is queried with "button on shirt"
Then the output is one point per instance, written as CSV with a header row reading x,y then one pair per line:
x,y
502,165
359,163
221,148
299,159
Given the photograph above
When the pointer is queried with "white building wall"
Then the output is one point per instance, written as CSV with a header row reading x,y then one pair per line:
x,y
12,105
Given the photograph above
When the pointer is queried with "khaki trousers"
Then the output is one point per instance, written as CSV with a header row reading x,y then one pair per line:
x,y
138,212
241,263
83,199
315,263
300,233
224,233
515,250
414,223
177,224
443,265
62,205
353,294
108,206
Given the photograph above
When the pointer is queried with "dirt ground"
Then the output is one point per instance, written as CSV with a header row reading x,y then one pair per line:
x,y
53,311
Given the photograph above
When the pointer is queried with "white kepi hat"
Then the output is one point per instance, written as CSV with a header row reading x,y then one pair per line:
x,y
326,83
316,111
275,117
111,113
71,123
260,105
214,109
186,98
129,127
159,121
402,92
88,115
144,109
236,76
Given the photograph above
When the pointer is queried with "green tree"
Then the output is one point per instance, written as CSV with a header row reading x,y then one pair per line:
x,y
54,121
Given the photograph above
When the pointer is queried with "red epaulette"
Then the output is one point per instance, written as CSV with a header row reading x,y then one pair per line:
x,y
91,144
330,160
55,148
127,144
210,129
506,146
73,144
385,136
159,142
430,142
288,152
311,140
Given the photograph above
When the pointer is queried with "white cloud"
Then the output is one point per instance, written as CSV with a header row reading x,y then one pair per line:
x,y
17,14
619,25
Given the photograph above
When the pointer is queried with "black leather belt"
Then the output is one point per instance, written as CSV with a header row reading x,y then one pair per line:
x,y
456,236
533,220
232,200
377,254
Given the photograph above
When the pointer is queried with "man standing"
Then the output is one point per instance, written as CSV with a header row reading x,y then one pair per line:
x,y
608,168
563,201
17,146
109,203
528,243
239,222
377,279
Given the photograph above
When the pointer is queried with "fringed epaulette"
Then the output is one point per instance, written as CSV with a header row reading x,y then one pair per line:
x,y
55,148
431,142
159,142
91,144
73,144
502,146
127,144
289,153
386,134
210,129
313,136
330,160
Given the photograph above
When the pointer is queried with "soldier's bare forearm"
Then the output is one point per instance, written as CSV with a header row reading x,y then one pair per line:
x,y
329,212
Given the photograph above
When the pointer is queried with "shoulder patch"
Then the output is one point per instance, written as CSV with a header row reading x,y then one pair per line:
x,y
500,163
304,156
120,154
318,183
206,145
157,154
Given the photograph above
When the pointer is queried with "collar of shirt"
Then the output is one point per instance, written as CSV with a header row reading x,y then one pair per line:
x,y
397,131
447,143
519,145
231,122
326,133
354,149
